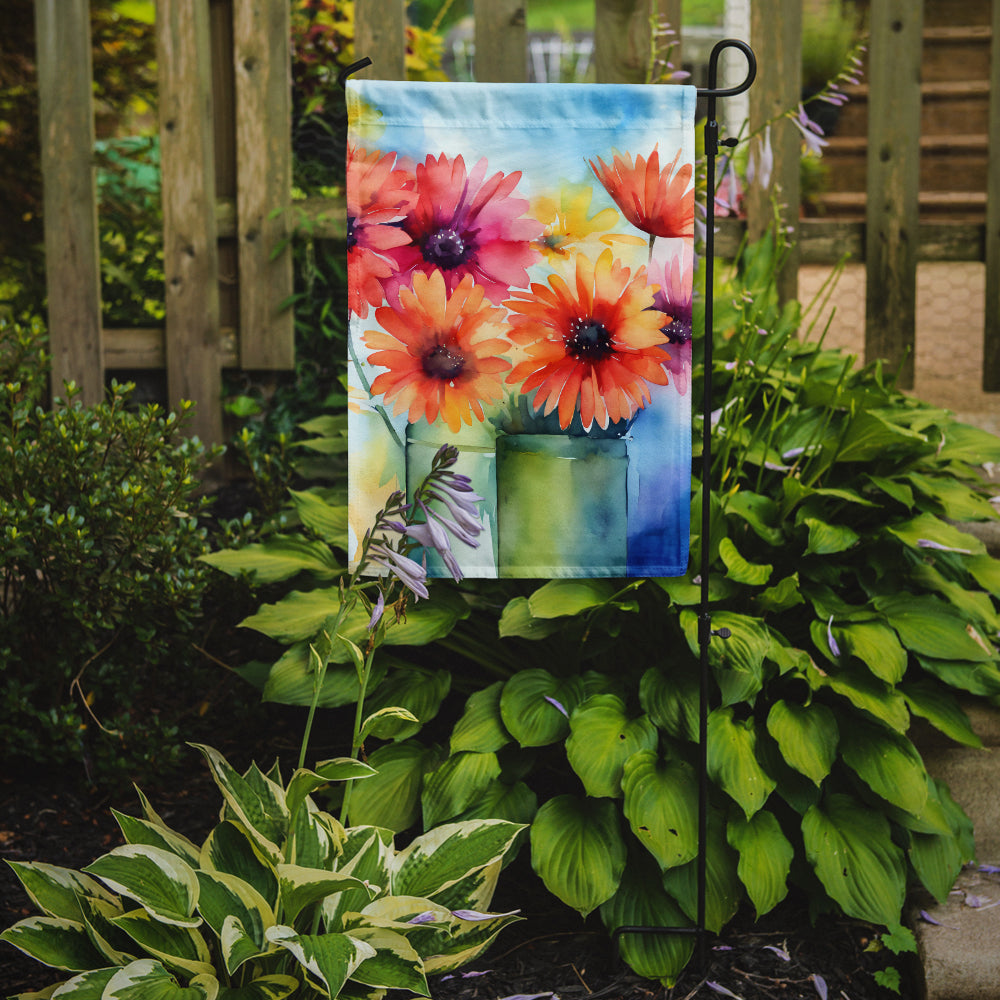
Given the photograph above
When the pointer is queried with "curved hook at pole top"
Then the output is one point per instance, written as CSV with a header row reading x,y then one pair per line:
x,y
713,68
353,68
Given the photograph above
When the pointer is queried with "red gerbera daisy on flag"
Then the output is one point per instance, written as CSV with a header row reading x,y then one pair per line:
x,y
378,194
658,203
464,223
593,346
442,351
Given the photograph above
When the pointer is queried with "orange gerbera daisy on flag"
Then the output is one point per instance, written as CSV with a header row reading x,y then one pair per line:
x,y
442,351
659,203
378,194
593,345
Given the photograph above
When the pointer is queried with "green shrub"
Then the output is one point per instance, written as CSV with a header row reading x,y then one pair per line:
x,y
854,604
279,900
99,539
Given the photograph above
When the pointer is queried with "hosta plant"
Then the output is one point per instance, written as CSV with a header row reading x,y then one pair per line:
x,y
279,900
855,604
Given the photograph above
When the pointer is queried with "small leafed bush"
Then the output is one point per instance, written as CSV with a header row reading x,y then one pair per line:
x,y
280,899
99,578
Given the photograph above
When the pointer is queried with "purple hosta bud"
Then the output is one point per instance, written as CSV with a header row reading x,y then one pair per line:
x,y
719,988
831,642
760,165
927,543
410,573
780,952
820,984
475,915
427,917
431,535
377,612
811,132
557,704
989,869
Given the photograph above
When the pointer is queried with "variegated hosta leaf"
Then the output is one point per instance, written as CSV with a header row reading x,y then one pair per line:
x,y
441,857
732,760
578,851
417,690
723,889
141,831
116,947
476,890
888,763
807,736
602,738
177,947
225,897
86,986
304,782
661,799
367,853
850,847
395,964
329,959
300,887
256,801
56,891
158,880
535,706
481,727
315,838
765,858
273,987
391,799
467,941
147,979
456,784
54,941
230,849
642,902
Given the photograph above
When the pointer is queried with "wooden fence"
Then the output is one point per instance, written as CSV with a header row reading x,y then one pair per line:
x,y
226,162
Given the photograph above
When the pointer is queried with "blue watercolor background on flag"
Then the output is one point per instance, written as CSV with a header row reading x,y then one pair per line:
x,y
520,261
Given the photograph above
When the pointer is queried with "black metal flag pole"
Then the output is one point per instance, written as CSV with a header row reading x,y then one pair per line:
x,y
705,631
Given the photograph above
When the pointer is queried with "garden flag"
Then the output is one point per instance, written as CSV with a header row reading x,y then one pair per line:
x,y
520,275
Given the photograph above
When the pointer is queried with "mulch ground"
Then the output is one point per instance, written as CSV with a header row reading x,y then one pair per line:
x,y
550,953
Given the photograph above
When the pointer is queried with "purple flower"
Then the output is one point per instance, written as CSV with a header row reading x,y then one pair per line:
x,y
820,983
410,573
377,611
834,648
431,535
811,132
927,543
760,165
426,917
558,705
475,915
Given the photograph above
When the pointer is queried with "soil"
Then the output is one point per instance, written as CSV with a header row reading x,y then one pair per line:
x,y
550,953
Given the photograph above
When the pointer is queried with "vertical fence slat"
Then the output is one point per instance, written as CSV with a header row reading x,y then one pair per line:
x,y
190,254
380,34
893,183
501,41
621,40
261,57
991,331
72,257
776,34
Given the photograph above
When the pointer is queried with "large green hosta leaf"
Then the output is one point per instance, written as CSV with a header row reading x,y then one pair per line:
x,y
850,848
807,736
936,704
481,727
888,763
278,558
924,528
456,784
732,760
535,706
661,806
930,627
876,646
738,661
391,798
670,698
641,901
765,858
578,851
569,597
416,689
601,740
723,889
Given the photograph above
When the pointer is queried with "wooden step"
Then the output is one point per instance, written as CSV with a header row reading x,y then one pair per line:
x,y
947,162
956,53
959,206
946,106
940,13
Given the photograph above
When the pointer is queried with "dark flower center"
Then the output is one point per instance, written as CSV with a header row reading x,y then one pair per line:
x,y
677,331
445,249
589,340
352,239
443,363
